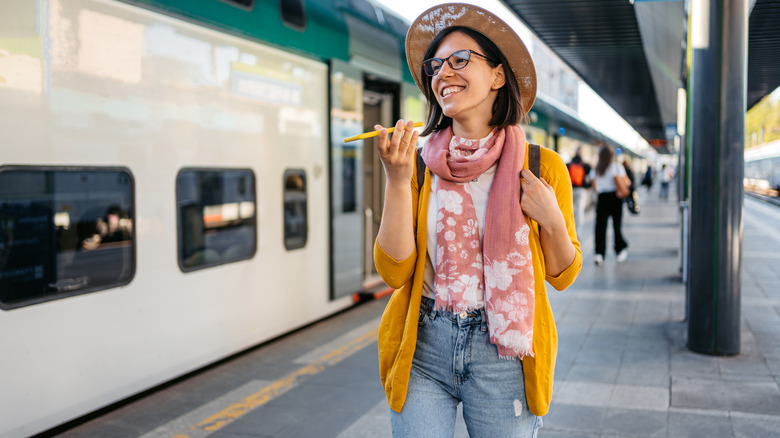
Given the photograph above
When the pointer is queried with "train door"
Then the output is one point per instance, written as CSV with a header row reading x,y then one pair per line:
x,y
358,102
346,187
380,106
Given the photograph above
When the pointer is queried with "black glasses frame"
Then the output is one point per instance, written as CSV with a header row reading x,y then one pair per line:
x,y
432,70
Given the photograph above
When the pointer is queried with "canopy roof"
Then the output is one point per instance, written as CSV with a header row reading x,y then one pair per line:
x,y
632,53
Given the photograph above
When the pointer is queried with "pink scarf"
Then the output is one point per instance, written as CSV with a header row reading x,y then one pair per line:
x,y
501,268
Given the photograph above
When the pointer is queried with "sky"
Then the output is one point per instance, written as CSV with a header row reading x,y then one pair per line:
x,y
592,109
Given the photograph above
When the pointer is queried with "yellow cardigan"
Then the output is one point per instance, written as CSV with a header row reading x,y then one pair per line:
x,y
398,328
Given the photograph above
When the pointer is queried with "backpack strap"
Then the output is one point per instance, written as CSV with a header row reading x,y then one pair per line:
x,y
534,161
534,165
420,170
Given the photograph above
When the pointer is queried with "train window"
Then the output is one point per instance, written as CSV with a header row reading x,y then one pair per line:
x,y
295,219
216,217
246,4
293,14
64,232
349,174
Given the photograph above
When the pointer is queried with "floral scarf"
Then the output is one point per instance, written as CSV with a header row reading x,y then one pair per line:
x,y
500,267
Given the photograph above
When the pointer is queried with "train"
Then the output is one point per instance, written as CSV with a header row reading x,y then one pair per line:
x,y
175,189
762,169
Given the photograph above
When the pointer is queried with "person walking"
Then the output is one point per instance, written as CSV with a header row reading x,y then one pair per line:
x,y
667,175
630,174
579,173
647,180
469,247
608,204
632,200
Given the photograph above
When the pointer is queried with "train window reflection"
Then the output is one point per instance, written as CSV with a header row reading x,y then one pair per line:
x,y
63,232
293,14
247,4
349,183
295,218
216,217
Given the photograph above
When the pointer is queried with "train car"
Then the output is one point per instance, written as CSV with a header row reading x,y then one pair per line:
x,y
762,168
174,188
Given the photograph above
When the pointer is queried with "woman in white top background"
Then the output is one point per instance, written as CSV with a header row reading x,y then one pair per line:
x,y
608,204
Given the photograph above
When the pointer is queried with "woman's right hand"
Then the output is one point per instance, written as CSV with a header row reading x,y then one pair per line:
x,y
396,231
397,152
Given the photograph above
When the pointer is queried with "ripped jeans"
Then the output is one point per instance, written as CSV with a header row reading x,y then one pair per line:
x,y
454,362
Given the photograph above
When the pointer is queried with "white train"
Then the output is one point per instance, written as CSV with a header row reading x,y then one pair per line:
x,y
762,168
174,188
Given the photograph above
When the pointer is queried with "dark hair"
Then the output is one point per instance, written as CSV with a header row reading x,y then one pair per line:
x,y
508,106
605,159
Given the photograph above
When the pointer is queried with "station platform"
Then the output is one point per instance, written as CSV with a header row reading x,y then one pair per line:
x,y
623,368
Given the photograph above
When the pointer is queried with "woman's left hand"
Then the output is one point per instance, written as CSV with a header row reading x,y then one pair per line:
x,y
538,200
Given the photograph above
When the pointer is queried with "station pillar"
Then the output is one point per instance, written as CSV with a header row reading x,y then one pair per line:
x,y
717,90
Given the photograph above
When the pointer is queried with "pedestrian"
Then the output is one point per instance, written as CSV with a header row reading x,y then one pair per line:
x,y
608,204
667,175
468,252
630,174
647,180
579,173
632,200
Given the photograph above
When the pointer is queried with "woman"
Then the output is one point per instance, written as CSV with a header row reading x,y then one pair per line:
x,y
469,251
667,175
608,204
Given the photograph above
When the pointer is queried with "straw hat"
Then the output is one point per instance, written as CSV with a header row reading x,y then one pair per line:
x,y
425,28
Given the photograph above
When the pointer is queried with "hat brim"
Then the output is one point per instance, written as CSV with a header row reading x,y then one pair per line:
x,y
438,18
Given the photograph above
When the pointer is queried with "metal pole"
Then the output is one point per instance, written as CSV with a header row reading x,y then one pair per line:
x,y
718,105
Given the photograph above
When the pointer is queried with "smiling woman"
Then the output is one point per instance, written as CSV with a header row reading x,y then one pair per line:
x,y
488,234
485,97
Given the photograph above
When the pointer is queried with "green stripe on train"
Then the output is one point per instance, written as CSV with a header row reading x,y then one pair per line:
x,y
325,35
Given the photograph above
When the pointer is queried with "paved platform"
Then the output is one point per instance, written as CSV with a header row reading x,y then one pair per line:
x,y
623,369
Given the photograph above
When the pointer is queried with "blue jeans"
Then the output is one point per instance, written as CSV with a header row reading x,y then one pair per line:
x,y
454,362
664,192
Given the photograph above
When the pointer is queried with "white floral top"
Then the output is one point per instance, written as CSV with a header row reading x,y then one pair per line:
x,y
479,196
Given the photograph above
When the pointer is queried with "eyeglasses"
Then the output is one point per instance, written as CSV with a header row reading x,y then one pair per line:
x,y
457,61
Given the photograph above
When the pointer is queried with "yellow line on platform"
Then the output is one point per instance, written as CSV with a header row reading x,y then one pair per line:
x,y
235,411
